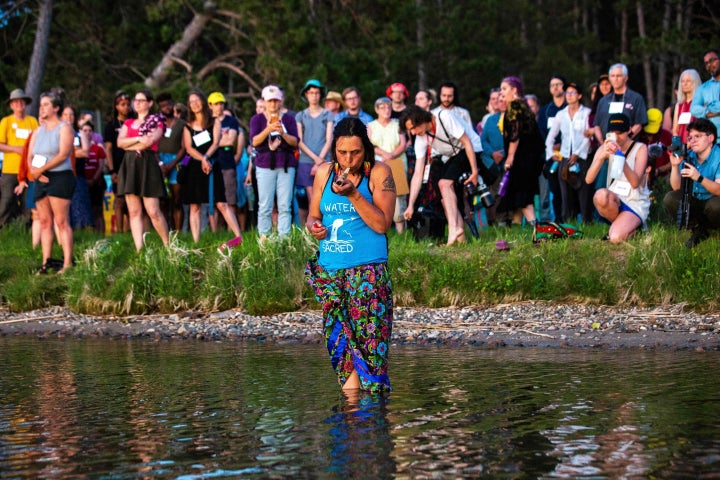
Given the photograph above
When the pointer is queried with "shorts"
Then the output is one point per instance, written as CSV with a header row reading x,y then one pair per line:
x,y
61,185
454,167
172,175
302,175
230,181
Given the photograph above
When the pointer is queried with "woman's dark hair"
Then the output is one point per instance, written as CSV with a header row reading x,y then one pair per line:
x,y
416,115
206,112
353,127
75,116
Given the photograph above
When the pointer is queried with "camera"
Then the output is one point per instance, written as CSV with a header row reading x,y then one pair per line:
x,y
480,195
677,147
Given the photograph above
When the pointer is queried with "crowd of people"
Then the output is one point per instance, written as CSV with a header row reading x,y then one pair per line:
x,y
191,166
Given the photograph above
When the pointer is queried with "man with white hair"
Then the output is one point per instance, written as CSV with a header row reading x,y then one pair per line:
x,y
620,100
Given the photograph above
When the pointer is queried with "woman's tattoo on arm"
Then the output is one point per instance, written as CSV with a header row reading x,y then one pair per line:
x,y
389,184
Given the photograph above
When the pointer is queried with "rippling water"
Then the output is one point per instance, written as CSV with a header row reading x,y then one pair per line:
x,y
136,409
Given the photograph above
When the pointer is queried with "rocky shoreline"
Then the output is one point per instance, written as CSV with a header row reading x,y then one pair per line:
x,y
523,324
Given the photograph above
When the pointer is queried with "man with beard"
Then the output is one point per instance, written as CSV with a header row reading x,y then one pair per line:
x,y
706,101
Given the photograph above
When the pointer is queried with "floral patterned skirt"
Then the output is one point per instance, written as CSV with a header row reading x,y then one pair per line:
x,y
357,312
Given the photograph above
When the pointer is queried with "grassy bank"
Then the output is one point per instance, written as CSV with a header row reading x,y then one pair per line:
x,y
110,278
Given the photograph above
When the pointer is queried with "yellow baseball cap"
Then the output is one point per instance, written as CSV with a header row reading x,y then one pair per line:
x,y
655,118
216,97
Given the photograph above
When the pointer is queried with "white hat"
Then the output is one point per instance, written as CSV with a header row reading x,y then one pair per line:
x,y
272,92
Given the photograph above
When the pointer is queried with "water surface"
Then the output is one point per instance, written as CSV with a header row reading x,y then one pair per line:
x,y
139,409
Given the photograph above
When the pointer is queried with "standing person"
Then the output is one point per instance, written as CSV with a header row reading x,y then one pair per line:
x,y
625,204
14,133
201,139
225,156
351,99
171,152
275,138
524,148
81,215
314,126
51,167
621,99
687,86
94,168
115,155
572,123
701,166
706,101
424,99
492,107
398,94
350,217
550,182
441,141
390,147
334,103
140,179
450,100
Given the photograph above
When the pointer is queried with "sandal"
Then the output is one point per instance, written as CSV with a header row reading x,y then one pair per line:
x,y
43,270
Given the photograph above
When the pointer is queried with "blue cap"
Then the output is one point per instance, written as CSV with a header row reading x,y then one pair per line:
x,y
313,83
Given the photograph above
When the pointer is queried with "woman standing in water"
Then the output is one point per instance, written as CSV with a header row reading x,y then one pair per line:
x,y
349,216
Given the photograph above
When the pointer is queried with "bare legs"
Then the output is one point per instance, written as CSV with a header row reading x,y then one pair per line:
x,y
622,224
152,207
54,211
456,230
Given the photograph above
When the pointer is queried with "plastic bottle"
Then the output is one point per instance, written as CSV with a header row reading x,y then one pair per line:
x,y
617,164
554,166
502,188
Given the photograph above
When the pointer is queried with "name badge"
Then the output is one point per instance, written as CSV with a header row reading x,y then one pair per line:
x,y
426,173
201,138
168,132
616,107
38,161
22,133
684,118
621,187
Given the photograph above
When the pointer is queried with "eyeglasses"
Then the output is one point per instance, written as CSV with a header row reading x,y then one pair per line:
x,y
556,84
347,99
568,94
697,136
139,100
712,60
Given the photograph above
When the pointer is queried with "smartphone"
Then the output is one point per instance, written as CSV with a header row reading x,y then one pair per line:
x,y
611,136
273,118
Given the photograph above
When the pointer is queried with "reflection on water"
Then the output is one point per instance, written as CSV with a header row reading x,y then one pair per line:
x,y
135,409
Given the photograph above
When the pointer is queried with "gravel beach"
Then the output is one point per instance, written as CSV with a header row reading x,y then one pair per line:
x,y
525,324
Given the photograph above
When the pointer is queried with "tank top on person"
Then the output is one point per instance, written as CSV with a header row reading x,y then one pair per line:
x,y
638,199
199,137
349,242
47,144
135,132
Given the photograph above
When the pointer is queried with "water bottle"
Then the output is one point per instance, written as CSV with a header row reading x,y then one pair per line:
x,y
617,164
502,188
554,166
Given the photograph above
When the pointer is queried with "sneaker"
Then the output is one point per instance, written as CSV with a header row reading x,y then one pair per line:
x,y
226,247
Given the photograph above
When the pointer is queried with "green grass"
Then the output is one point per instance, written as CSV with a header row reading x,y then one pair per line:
x,y
111,278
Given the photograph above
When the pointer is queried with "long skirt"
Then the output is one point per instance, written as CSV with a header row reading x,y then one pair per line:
x,y
357,312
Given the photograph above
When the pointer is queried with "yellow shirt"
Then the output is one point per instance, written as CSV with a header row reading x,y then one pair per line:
x,y
15,133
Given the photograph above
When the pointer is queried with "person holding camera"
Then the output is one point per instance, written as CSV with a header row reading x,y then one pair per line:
x,y
442,143
625,203
699,170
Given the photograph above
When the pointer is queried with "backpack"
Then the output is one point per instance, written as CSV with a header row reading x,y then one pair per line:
x,y
551,231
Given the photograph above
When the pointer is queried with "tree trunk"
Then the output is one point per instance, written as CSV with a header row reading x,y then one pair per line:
x,y
623,32
647,67
37,61
420,32
179,49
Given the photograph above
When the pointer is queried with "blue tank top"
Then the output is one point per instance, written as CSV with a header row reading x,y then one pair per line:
x,y
350,242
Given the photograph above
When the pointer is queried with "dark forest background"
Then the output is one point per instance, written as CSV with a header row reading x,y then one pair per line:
x,y
95,47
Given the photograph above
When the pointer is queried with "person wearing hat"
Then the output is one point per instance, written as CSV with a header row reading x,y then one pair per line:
x,y
398,94
658,140
275,138
15,130
625,203
315,130
334,102
571,123
228,154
